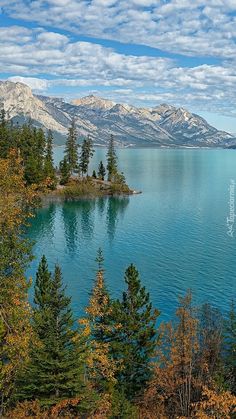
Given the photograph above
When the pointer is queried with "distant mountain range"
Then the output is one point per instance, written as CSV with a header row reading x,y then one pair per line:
x,y
163,125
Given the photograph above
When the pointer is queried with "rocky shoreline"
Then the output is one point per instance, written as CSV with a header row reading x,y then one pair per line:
x,y
86,189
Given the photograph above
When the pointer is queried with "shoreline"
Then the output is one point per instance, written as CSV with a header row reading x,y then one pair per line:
x,y
86,189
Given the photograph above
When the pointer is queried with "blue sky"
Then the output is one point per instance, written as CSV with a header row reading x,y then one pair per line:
x,y
141,52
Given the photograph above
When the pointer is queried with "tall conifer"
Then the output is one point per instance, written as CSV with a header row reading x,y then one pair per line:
x,y
111,159
71,149
133,342
86,154
48,161
101,171
54,372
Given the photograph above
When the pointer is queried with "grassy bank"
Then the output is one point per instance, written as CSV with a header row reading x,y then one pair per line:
x,y
87,188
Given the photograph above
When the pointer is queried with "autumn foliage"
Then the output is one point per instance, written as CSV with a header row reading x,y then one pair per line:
x,y
16,202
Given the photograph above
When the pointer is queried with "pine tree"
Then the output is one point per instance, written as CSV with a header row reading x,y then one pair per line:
x,y
101,171
111,159
86,154
4,135
54,372
64,171
49,170
71,149
99,309
94,175
49,147
33,154
134,341
42,297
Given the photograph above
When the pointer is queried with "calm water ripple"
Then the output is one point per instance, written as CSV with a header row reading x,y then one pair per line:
x,y
175,231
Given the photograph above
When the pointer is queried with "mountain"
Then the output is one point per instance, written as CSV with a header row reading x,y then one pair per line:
x,y
163,125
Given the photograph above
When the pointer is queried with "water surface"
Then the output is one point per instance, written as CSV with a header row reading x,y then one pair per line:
x,y
175,232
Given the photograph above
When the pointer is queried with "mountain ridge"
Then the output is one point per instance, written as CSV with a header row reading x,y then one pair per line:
x,y
163,125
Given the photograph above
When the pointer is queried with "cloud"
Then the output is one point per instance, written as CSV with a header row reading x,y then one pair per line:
x,y
82,65
57,61
176,26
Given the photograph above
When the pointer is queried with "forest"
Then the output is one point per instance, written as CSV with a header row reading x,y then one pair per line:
x,y
71,178
120,359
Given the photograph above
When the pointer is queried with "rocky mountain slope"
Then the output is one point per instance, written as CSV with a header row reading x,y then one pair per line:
x,y
163,125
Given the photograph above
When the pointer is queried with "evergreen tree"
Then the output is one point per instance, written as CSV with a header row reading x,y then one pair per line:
x,y
94,175
64,171
32,146
99,309
42,297
49,170
133,342
111,160
43,285
71,149
4,135
54,372
86,154
33,154
101,171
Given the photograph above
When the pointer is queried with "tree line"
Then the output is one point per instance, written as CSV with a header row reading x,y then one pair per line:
x,y
118,360
36,150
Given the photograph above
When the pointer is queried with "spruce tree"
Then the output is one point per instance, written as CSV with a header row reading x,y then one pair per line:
x,y
49,170
4,135
42,297
111,159
100,305
101,171
71,149
134,342
64,171
34,148
54,372
40,144
85,155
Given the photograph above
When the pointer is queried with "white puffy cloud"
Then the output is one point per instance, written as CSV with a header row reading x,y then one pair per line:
x,y
177,26
193,29
138,79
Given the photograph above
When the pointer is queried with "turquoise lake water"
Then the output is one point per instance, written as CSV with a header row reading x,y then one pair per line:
x,y
175,232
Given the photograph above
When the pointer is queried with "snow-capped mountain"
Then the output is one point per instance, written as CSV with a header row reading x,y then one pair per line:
x,y
163,125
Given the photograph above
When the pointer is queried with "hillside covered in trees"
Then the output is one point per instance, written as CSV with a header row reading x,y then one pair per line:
x,y
120,360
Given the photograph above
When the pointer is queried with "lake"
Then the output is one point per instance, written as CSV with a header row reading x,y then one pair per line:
x,y
175,232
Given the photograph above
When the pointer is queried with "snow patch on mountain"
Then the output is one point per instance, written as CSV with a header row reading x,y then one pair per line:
x,y
163,125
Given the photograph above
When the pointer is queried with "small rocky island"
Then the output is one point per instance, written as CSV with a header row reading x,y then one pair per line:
x,y
72,180
87,188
